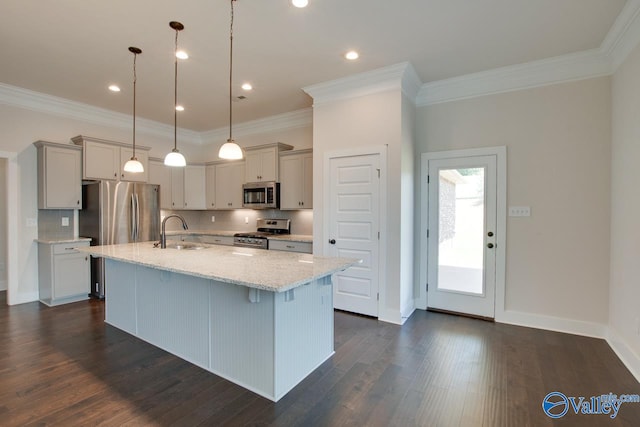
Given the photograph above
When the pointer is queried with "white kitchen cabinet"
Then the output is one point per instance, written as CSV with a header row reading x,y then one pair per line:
x,y
59,176
160,175
289,246
210,186
194,187
180,188
104,159
63,273
262,162
296,180
229,180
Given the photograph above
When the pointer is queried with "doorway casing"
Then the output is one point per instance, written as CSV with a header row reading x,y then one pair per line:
x,y
11,212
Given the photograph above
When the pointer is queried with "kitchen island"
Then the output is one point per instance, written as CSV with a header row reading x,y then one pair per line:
x,y
261,319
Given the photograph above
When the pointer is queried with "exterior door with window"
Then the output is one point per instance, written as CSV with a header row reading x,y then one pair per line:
x,y
461,270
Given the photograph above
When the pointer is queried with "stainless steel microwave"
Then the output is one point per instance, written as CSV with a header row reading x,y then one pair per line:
x,y
261,195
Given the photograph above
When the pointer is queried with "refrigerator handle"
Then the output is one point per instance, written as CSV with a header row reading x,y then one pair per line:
x,y
137,218
134,222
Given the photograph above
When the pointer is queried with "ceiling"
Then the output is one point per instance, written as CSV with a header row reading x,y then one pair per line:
x,y
75,48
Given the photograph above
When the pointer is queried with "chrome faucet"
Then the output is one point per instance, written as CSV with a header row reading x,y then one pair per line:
x,y
163,234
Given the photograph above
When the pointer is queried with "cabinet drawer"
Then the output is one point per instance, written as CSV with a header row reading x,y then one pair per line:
x,y
217,240
283,245
68,248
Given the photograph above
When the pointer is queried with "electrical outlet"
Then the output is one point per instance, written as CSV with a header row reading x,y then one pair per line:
x,y
213,218
65,221
246,220
519,211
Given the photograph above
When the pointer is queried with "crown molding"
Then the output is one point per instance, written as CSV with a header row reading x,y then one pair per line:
x,y
621,39
576,66
42,103
367,83
279,122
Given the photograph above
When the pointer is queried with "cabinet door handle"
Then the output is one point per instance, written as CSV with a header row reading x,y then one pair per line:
x,y
78,202
115,175
290,247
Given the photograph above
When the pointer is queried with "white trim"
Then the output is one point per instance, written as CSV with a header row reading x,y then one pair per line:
x,y
42,103
501,221
367,83
575,66
12,228
624,34
384,314
552,323
279,122
628,357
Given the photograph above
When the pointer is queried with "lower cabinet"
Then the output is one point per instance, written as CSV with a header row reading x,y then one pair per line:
x,y
63,273
285,245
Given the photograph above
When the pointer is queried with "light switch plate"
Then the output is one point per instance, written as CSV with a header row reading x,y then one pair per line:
x,y
65,221
519,210
213,218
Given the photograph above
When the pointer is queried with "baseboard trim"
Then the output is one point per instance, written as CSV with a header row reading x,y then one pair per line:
x,y
25,298
625,353
550,323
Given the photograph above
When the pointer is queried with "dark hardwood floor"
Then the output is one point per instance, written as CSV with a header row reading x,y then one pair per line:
x,y
64,366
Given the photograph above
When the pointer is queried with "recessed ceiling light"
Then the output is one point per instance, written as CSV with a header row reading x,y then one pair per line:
x,y
114,88
247,86
181,54
351,55
179,108
300,3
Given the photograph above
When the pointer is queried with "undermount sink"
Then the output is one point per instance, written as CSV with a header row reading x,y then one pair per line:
x,y
185,246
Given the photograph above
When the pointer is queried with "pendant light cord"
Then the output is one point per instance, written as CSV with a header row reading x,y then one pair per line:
x,y
135,79
231,74
175,98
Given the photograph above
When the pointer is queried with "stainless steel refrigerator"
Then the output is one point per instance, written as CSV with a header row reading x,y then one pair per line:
x,y
117,212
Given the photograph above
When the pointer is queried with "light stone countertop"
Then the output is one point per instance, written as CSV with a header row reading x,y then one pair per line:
x,y
68,240
273,271
304,238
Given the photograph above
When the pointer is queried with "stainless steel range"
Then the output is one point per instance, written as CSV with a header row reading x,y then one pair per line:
x,y
260,238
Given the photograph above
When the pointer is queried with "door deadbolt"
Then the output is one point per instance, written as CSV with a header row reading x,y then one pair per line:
x,y
490,234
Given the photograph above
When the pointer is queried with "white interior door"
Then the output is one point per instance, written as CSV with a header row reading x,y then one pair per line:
x,y
354,224
461,271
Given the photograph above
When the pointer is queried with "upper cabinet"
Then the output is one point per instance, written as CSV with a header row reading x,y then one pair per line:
x,y
228,185
296,180
104,159
180,188
210,186
59,176
261,162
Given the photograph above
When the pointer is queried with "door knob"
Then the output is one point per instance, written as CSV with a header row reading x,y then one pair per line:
x,y
490,245
332,241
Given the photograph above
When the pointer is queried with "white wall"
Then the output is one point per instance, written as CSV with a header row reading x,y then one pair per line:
x,y
370,121
3,224
624,304
558,142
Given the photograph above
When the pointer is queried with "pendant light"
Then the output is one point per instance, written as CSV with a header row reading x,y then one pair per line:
x,y
133,165
175,158
230,150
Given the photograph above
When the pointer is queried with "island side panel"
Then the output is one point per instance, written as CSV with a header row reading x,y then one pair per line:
x,y
173,313
120,304
304,332
242,347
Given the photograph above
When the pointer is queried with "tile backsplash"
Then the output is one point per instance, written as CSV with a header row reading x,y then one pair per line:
x,y
239,220
50,224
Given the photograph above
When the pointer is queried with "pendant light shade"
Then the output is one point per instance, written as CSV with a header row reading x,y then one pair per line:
x,y
230,150
175,158
133,165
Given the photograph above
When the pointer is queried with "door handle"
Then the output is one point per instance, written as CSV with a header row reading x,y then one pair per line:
x,y
332,241
490,245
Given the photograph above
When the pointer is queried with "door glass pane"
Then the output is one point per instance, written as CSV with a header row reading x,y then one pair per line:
x,y
461,230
